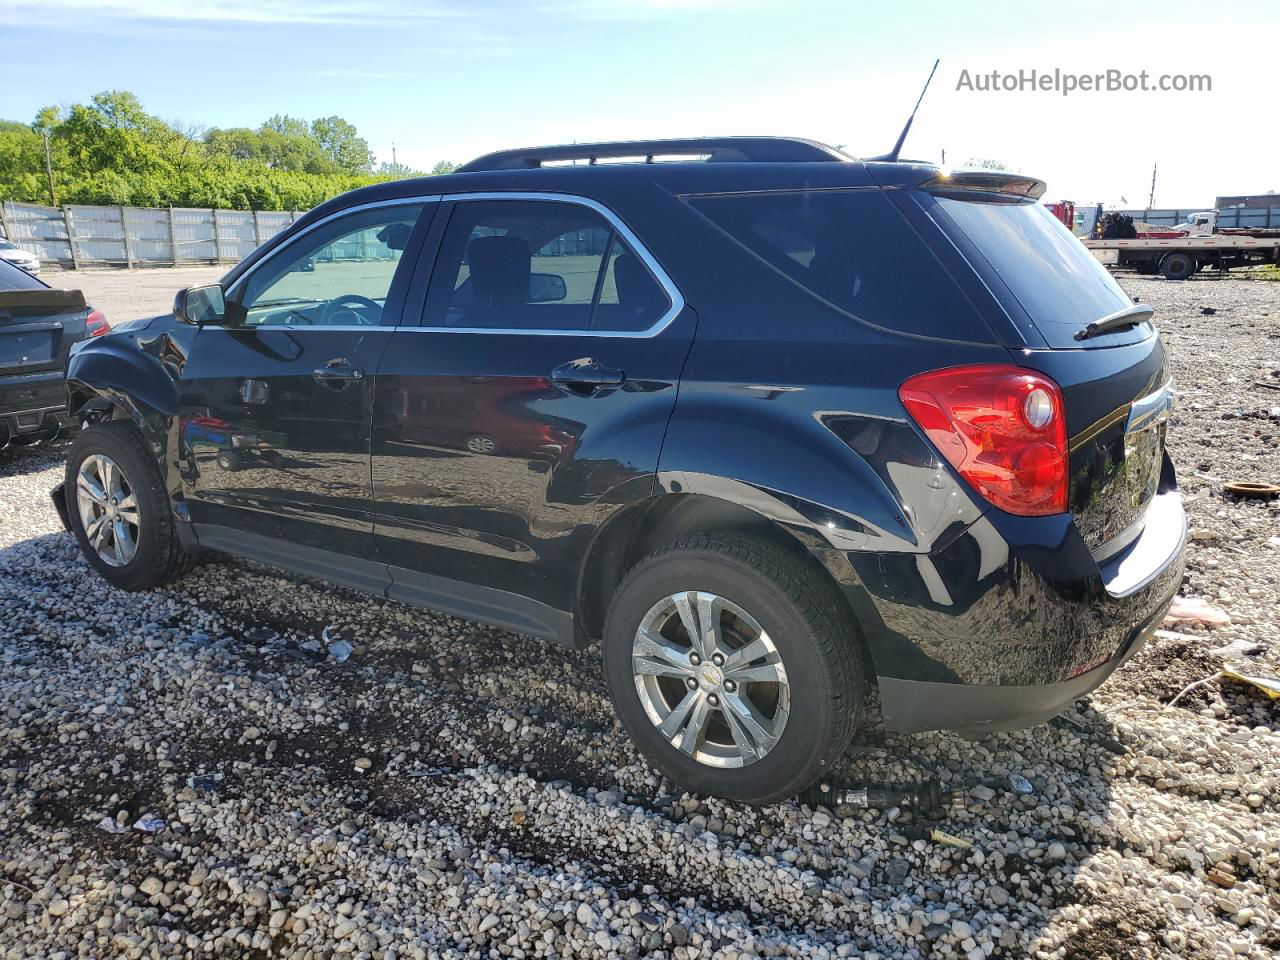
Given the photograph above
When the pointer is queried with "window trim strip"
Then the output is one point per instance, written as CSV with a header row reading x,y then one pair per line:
x,y
677,301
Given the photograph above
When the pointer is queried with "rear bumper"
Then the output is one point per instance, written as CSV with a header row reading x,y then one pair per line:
x,y
912,706
32,403
1014,619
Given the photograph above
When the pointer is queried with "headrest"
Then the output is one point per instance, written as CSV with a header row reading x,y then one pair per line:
x,y
500,269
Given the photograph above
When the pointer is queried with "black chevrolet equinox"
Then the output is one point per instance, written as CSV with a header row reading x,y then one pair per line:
x,y
768,423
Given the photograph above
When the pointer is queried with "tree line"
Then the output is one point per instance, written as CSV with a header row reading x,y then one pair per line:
x,y
111,151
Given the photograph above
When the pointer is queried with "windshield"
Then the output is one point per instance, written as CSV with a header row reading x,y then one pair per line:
x,y
6,245
1051,274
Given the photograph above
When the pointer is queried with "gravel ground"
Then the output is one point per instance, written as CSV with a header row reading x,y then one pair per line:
x,y
454,790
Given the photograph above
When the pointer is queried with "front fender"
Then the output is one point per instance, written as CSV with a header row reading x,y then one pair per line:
x,y
131,372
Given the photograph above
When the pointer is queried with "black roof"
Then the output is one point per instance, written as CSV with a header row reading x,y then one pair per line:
x,y
716,164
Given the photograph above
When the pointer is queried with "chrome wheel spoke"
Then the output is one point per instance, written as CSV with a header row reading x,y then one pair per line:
x,y
709,608
93,532
753,732
757,649
672,725
685,606
655,655
770,671
694,731
124,541
86,487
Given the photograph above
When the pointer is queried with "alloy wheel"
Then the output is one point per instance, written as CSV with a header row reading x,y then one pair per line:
x,y
710,679
108,509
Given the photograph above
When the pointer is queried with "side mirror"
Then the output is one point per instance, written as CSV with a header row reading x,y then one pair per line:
x,y
546,288
200,305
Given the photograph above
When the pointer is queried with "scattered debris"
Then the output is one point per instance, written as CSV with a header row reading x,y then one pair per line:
x,y
149,823
363,763
1237,648
205,782
1267,684
1269,384
1208,311
1251,488
428,772
110,825
1195,610
1019,784
925,796
1193,685
260,635
914,831
339,648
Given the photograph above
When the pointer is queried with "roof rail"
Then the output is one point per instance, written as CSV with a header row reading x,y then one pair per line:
x,y
714,149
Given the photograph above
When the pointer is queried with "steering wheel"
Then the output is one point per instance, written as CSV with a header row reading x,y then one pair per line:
x,y
345,303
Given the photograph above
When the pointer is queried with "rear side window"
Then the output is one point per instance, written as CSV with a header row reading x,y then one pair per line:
x,y
539,265
854,250
1057,281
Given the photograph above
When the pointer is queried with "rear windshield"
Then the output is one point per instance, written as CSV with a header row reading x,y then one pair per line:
x,y
15,278
855,250
1055,279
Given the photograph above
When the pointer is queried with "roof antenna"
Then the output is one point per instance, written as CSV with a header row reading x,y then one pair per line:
x,y
892,155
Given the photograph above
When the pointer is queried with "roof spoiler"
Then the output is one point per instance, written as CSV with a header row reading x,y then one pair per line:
x,y
712,149
971,183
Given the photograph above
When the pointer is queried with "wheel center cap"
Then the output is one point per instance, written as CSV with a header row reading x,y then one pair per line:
x,y
710,675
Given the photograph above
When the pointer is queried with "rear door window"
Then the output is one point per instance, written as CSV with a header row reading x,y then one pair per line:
x,y
15,278
1055,279
855,250
539,265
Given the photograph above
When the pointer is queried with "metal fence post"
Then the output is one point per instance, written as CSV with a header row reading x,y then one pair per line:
x,y
128,242
4,222
173,238
71,237
217,235
257,230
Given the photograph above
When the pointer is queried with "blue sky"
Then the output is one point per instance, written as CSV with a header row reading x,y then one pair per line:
x,y
448,80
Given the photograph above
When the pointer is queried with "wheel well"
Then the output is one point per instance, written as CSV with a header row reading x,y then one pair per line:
x,y
644,527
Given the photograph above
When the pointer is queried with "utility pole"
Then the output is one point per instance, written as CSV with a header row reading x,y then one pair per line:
x,y
1152,198
395,167
48,170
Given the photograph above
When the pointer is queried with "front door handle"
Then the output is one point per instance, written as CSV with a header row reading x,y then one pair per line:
x,y
337,372
586,376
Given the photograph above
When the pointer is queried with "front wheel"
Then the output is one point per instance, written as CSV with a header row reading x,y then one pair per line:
x,y
733,667
118,508
1177,266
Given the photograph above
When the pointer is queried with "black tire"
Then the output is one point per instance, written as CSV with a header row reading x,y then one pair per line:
x,y
228,460
805,620
159,556
1177,266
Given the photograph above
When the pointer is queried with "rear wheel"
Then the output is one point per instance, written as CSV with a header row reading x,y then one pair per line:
x,y
118,508
733,667
1177,266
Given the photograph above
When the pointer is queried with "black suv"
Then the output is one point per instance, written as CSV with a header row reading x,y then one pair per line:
x,y
769,423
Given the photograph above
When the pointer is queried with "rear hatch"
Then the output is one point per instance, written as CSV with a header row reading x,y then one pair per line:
x,y
1115,382
38,325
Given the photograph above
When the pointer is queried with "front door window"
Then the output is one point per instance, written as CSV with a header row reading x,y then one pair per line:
x,y
337,275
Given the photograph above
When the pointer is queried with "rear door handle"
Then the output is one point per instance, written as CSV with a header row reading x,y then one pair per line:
x,y
337,371
586,376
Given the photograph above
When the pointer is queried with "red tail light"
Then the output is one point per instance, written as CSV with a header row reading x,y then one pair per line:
x,y
1002,427
95,325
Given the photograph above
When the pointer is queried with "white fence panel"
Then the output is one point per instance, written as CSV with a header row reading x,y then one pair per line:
x,y
149,237
194,235
136,236
99,233
42,230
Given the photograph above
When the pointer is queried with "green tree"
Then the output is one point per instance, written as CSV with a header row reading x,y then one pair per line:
x,y
444,166
342,143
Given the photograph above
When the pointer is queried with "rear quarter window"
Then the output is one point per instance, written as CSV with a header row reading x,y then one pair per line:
x,y
854,250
